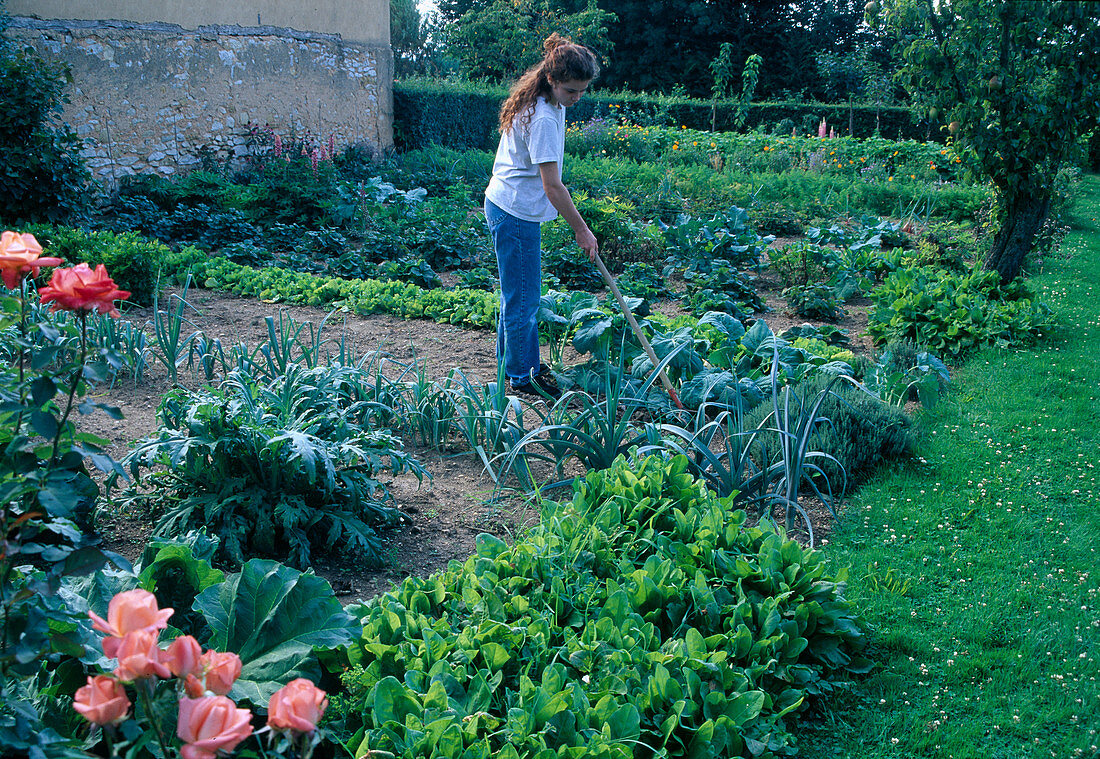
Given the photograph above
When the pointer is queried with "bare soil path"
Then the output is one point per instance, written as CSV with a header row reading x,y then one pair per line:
x,y
446,513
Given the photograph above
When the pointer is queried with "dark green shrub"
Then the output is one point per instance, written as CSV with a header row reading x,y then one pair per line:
x,y
455,115
643,280
134,262
569,266
44,177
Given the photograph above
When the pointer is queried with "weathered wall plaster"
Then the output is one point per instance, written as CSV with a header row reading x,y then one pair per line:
x,y
146,97
363,21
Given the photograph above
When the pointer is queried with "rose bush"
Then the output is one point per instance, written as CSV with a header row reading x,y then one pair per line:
x,y
208,723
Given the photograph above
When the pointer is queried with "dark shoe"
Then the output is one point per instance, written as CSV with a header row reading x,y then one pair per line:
x,y
542,384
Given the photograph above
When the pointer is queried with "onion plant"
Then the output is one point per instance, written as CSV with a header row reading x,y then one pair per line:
x,y
491,421
169,348
594,429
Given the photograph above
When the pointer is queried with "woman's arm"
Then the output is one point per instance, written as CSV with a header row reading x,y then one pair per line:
x,y
559,197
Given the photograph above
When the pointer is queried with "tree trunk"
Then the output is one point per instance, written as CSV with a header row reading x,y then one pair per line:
x,y
1025,214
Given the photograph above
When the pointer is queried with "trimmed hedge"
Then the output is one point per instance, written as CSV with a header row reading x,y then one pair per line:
x,y
464,115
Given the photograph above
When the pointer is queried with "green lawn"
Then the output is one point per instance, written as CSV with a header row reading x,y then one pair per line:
x,y
978,567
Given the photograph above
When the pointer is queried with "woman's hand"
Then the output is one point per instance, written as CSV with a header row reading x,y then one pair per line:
x,y
587,241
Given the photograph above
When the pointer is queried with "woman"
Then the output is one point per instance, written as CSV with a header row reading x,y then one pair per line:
x,y
526,190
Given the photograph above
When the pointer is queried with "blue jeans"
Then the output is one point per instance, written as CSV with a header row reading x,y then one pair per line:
x,y
519,261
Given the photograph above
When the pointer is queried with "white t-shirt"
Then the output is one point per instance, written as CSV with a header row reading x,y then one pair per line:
x,y
516,186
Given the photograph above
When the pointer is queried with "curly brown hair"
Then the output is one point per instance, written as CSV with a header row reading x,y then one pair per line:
x,y
562,61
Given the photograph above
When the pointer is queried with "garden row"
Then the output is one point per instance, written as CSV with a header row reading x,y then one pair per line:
x,y
722,624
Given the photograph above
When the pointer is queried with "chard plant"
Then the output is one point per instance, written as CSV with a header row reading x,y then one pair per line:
x,y
644,612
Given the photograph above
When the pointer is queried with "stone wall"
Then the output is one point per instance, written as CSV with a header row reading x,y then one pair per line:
x,y
147,97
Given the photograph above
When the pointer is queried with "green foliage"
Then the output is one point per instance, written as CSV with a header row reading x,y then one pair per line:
x,y
903,373
1006,77
408,37
861,435
749,77
503,39
953,314
644,612
611,219
472,308
799,263
275,618
813,301
134,262
276,468
642,280
44,177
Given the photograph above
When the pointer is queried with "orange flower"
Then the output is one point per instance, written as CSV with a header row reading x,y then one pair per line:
x,y
211,725
102,701
128,612
139,657
20,254
81,289
296,706
220,670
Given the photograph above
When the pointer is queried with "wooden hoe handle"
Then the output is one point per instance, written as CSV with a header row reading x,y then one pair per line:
x,y
637,330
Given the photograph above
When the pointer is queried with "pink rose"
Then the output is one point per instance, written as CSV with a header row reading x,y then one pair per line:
x,y
211,724
221,670
296,706
128,612
102,701
192,686
82,289
139,656
20,255
184,656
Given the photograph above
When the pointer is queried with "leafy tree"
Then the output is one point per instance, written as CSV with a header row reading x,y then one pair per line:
x,y
504,38
1018,84
42,174
407,36
659,44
